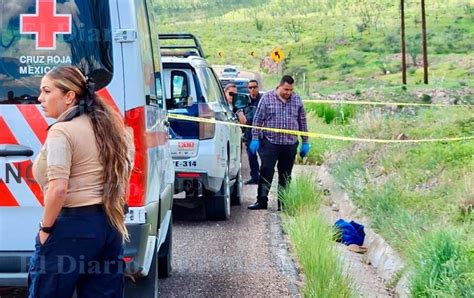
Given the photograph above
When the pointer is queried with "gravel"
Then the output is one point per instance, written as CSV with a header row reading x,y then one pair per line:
x,y
245,256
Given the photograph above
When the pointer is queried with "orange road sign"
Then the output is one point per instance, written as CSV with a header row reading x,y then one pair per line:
x,y
277,55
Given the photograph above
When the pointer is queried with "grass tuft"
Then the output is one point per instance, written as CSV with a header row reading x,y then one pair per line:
x,y
313,241
442,267
301,195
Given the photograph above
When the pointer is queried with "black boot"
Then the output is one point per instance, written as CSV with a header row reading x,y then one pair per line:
x,y
258,205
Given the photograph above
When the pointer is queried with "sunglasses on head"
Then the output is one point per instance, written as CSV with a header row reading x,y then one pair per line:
x,y
253,87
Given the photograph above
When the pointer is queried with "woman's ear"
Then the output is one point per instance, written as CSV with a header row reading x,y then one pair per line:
x,y
70,97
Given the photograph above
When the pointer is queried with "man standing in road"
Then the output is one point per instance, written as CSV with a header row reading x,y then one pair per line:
x,y
279,109
249,113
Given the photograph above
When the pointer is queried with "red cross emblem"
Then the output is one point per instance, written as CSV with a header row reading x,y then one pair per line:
x,y
45,24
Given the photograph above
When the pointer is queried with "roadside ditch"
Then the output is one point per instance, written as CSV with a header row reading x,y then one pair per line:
x,y
380,271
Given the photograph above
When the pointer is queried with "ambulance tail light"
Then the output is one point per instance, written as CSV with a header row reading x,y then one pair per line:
x,y
206,130
135,119
127,259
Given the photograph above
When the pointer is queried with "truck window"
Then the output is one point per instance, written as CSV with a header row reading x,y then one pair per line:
x,y
41,34
212,88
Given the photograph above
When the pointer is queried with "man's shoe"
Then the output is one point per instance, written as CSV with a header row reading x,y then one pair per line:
x,y
280,205
251,181
257,206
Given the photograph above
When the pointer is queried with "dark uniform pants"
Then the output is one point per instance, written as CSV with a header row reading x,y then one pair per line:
x,y
84,253
253,163
281,155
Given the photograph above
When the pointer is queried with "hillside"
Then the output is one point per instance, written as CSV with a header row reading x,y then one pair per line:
x,y
332,45
418,196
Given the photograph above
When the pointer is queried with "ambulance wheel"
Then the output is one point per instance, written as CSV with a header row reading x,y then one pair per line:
x,y
165,254
145,286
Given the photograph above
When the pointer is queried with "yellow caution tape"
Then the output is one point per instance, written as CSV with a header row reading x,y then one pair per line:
x,y
313,134
375,103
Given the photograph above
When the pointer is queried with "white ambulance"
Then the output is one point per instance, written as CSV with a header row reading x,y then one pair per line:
x,y
114,42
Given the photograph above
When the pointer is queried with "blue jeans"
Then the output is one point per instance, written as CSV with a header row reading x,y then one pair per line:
x,y
253,163
84,253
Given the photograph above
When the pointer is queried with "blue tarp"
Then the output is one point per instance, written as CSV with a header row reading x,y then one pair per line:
x,y
350,232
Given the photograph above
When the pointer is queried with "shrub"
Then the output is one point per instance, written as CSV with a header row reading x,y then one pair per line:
x,y
320,56
392,43
366,46
426,98
258,24
361,28
345,68
344,113
323,78
324,111
339,115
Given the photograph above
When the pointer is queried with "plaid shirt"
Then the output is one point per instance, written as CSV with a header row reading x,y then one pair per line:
x,y
272,112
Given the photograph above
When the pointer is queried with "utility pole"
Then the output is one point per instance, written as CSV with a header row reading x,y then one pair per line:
x,y
404,54
425,51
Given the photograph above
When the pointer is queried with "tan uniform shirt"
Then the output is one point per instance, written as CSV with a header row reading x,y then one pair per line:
x,y
70,152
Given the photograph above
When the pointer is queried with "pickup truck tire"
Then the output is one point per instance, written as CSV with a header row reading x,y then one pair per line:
x,y
218,206
236,196
165,254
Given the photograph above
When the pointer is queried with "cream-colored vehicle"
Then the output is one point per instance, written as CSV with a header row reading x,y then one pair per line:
x,y
207,156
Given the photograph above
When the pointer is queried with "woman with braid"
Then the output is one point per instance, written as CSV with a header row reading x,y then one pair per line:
x,y
84,169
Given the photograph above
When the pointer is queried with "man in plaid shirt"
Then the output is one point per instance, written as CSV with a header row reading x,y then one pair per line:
x,y
281,109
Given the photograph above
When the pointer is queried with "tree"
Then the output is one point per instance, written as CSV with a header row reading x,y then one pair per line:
x,y
414,47
294,29
370,12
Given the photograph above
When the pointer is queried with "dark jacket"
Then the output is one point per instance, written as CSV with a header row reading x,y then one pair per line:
x,y
249,112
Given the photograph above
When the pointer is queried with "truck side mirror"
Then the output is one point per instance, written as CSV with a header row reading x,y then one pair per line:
x,y
240,100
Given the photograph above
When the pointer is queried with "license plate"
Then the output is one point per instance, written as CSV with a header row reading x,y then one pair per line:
x,y
185,163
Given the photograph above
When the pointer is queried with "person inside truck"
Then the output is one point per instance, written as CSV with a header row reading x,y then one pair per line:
x,y
84,170
229,91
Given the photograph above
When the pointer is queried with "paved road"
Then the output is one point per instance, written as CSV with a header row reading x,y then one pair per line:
x,y
245,74
245,256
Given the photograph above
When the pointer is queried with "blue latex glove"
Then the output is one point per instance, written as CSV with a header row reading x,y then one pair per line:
x,y
254,145
304,149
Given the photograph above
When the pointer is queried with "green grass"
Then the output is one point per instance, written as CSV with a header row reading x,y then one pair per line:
x,y
413,193
321,147
313,241
442,267
323,39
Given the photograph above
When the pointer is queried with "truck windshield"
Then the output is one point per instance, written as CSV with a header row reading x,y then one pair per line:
x,y
41,34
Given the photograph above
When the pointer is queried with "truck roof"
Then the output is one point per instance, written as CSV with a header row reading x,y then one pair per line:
x,y
194,61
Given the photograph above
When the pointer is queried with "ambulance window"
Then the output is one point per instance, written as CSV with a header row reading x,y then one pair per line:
x,y
37,36
152,15
146,49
